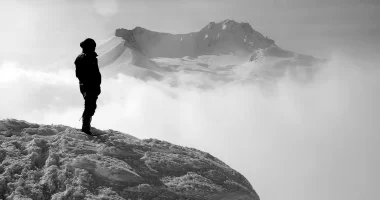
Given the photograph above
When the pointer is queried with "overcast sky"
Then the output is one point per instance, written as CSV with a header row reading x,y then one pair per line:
x,y
44,30
315,142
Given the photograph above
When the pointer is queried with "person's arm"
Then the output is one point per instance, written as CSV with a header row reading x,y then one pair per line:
x,y
98,72
79,68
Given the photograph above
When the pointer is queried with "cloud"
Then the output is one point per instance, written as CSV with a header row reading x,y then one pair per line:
x,y
305,141
375,2
106,7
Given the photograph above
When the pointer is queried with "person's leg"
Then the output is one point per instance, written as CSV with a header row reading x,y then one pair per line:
x,y
91,104
92,97
86,119
83,92
89,111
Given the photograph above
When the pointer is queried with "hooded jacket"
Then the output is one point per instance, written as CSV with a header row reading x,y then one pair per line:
x,y
87,71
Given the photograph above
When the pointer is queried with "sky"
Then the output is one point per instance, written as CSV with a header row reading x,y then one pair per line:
x,y
42,31
318,141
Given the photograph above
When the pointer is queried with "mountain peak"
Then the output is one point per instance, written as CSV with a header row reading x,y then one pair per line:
x,y
231,24
224,37
231,21
241,33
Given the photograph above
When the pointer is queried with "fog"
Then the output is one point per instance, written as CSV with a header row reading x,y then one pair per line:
x,y
305,141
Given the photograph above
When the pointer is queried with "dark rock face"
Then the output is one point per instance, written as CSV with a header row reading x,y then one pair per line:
x,y
59,162
216,38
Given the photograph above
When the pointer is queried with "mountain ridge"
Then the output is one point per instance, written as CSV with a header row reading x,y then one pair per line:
x,y
224,37
218,50
60,162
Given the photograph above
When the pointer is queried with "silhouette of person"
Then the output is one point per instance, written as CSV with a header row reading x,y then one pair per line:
x,y
88,74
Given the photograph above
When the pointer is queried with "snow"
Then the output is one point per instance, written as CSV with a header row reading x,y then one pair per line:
x,y
60,162
108,44
170,57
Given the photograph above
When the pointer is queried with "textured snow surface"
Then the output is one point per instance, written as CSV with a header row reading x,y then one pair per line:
x,y
60,162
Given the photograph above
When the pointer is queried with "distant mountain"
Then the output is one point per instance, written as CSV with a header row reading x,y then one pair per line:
x,y
215,38
218,49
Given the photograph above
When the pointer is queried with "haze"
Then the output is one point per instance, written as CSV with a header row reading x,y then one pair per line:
x,y
314,141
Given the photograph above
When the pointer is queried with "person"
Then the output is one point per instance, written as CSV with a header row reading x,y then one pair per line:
x,y
88,74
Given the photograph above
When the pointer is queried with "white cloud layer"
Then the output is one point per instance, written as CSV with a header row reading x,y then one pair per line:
x,y
106,7
312,141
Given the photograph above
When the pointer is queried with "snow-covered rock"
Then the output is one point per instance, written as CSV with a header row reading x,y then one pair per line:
x,y
59,162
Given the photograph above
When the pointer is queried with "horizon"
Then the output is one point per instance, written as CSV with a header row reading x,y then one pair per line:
x,y
314,140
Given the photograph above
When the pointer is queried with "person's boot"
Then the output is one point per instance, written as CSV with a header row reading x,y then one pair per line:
x,y
86,125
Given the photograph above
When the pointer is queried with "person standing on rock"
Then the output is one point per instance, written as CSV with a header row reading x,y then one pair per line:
x,y
88,74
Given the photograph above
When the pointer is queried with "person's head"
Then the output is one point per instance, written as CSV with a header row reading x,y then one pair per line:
x,y
88,45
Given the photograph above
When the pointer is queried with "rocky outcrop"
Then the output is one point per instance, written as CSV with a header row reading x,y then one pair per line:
x,y
59,162
130,40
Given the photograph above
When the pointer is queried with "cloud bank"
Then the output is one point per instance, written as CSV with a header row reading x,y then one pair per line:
x,y
306,141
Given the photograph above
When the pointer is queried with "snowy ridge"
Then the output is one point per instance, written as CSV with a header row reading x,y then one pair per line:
x,y
224,37
217,50
59,162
